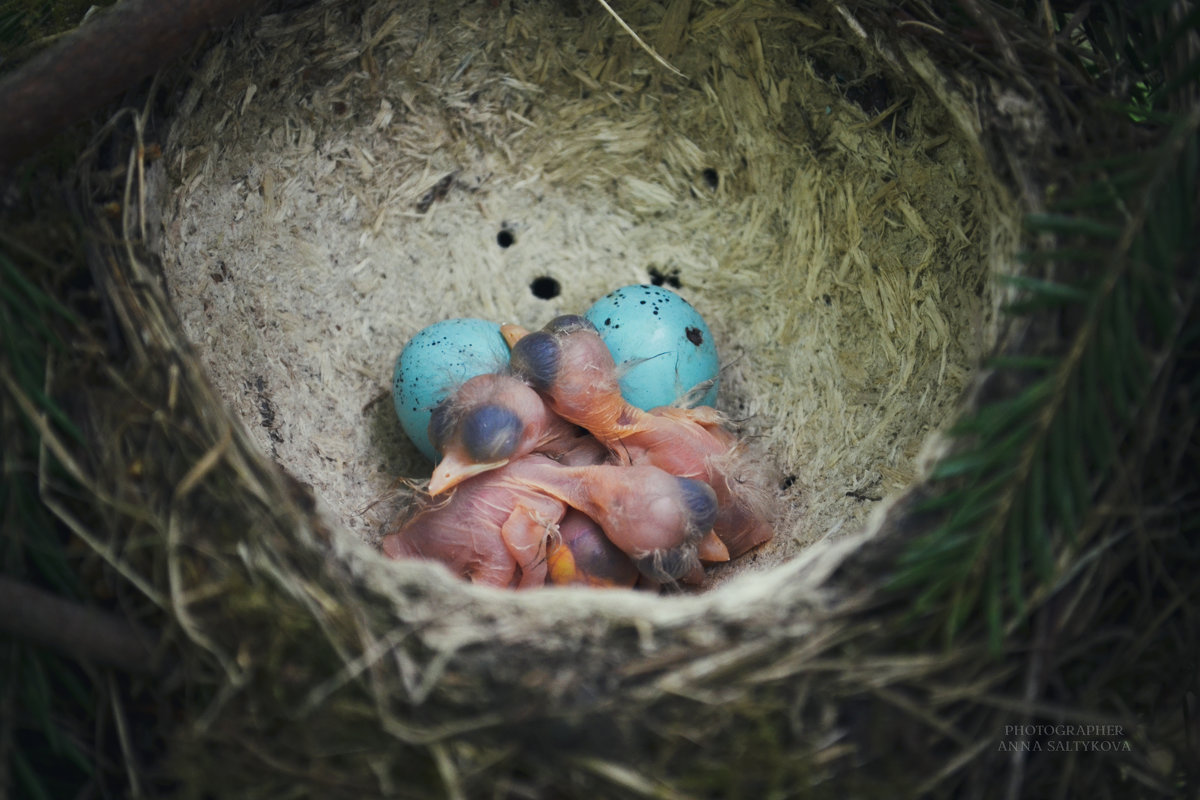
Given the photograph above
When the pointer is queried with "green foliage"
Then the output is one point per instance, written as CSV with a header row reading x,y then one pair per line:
x,y
1018,493
52,702
55,711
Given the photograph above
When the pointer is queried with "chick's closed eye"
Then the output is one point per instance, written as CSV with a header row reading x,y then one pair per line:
x,y
535,358
490,432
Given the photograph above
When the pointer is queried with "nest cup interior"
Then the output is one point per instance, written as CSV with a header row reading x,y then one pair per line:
x,y
342,175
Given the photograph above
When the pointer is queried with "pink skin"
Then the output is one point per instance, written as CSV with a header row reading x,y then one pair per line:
x,y
641,509
690,443
586,389
585,556
542,431
495,528
492,530
582,452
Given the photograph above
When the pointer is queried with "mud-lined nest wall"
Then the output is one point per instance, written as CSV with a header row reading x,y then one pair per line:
x,y
335,177
341,178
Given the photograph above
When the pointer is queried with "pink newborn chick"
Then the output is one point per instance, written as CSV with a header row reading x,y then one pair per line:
x,y
569,364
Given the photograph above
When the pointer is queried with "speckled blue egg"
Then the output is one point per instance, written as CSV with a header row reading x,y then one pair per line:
x,y
434,363
661,343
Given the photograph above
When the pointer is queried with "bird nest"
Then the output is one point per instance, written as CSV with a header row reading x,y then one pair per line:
x,y
835,199
825,220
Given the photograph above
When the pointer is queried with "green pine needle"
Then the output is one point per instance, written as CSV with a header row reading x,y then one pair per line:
x,y
1048,291
54,702
1020,490
1067,225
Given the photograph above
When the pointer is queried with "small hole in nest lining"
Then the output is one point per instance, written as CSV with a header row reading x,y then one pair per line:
x,y
711,178
505,238
659,278
545,287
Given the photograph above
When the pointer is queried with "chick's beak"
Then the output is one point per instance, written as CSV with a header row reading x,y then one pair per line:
x,y
512,333
453,469
711,548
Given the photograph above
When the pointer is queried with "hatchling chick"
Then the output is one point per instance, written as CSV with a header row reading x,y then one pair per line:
x,y
655,518
493,419
493,530
569,364
496,527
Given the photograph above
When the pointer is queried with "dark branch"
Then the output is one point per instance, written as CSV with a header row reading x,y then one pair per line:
x,y
80,632
105,56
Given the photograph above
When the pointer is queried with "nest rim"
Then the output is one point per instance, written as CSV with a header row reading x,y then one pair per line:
x,y
820,584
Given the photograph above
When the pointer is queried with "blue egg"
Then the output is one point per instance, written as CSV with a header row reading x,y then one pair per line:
x,y
437,361
661,343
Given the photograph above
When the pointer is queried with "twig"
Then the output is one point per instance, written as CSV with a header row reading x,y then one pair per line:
x,y
129,757
638,39
77,631
106,55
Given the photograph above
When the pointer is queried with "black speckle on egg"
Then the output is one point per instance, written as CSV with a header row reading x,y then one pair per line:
x,y
694,336
608,320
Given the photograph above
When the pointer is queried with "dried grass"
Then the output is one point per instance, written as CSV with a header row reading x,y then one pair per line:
x,y
845,267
